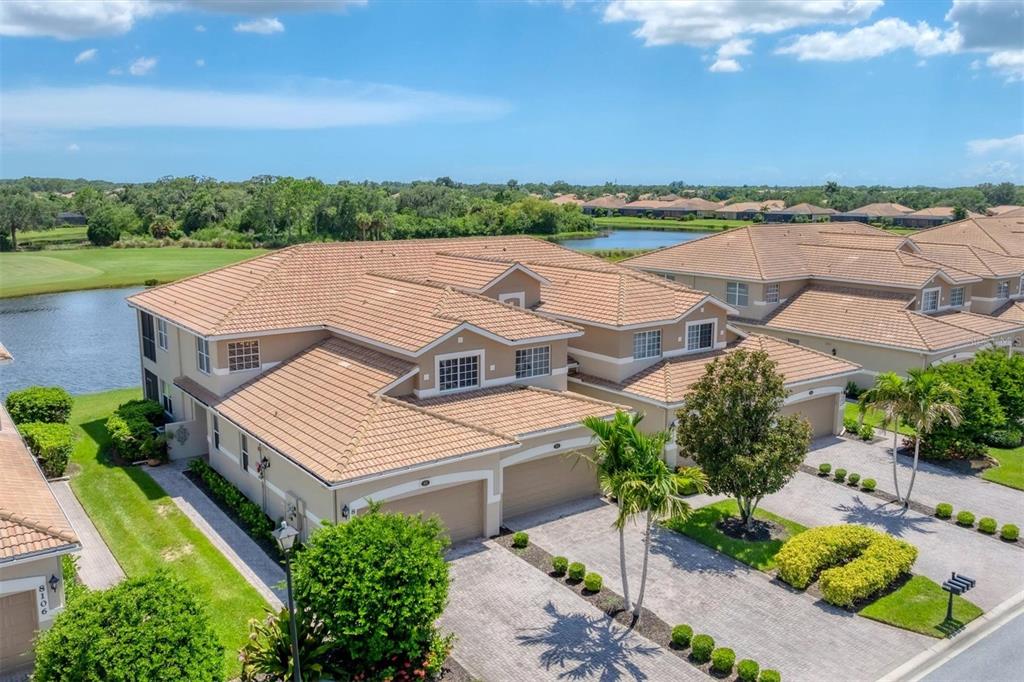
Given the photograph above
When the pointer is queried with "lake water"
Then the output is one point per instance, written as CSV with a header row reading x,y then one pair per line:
x,y
634,239
85,341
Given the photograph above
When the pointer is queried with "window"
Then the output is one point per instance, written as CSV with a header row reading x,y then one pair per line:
x,y
771,293
516,299
148,340
161,334
203,355
243,355
700,335
647,344
930,300
1003,290
460,372
533,362
165,397
245,452
956,296
736,293
216,433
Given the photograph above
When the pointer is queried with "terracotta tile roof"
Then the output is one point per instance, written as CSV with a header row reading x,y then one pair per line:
x,y
671,379
807,209
31,520
1003,208
876,318
468,271
938,212
989,325
5,355
1012,311
972,259
1002,234
741,206
695,204
607,201
567,199
884,209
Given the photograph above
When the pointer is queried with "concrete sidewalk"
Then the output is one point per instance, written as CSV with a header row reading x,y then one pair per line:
x,y
97,567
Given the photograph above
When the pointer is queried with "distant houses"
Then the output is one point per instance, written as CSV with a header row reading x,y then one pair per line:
x,y
808,212
929,217
748,210
606,204
873,213
71,218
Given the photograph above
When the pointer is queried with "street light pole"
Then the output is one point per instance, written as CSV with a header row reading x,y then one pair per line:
x,y
285,537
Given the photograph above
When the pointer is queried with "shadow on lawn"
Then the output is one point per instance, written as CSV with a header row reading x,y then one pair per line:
x,y
891,517
96,431
587,647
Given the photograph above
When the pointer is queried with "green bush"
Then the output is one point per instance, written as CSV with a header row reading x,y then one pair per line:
x,y
965,518
980,410
944,510
853,391
769,675
866,432
48,404
868,484
701,647
1005,438
850,425
51,444
577,571
854,561
840,475
593,582
722,660
132,430
681,636
255,521
520,540
559,565
267,653
1010,532
987,525
853,479
379,582
824,468
148,628
746,670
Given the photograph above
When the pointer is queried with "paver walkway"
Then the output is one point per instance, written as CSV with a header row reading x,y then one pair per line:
x,y
943,547
245,555
934,484
801,636
97,567
513,622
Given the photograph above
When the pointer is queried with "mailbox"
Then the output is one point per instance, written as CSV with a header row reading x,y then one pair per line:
x,y
957,584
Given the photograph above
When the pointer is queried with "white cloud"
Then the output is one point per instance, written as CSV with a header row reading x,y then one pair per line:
x,y
116,71
988,24
263,26
725,61
320,104
86,55
200,63
200,28
997,145
725,66
72,148
1008,63
142,66
875,40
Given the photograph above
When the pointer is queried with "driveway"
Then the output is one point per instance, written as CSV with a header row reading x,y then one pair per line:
x,y
934,484
801,636
513,622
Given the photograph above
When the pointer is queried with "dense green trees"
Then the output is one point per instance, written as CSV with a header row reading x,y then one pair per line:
x,y
22,210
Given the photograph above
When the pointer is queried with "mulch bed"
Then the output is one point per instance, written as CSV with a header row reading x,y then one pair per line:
x,y
759,530
451,671
267,545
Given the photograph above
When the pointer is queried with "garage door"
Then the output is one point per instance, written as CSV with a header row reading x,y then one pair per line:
x,y
544,482
820,412
17,626
460,507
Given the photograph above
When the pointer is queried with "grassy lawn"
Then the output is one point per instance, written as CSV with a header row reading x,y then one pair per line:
x,y
920,606
701,527
872,417
146,531
73,233
1010,471
45,272
634,223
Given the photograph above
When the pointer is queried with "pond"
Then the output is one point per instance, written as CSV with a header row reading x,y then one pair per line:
x,y
85,341
634,239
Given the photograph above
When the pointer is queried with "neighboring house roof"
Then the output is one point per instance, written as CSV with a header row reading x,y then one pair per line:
x,y
695,204
567,199
671,379
743,206
607,201
972,259
649,204
1004,208
881,210
938,212
5,355
806,209
31,519
1011,312
1002,234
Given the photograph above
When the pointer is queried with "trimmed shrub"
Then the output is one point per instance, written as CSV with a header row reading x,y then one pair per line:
x,y
868,484
987,525
746,670
965,518
854,561
132,430
850,425
593,582
681,636
944,510
853,479
770,676
251,515
701,647
51,444
853,391
722,660
577,571
1005,438
48,404
866,432
824,468
1010,532
840,475
559,565
520,540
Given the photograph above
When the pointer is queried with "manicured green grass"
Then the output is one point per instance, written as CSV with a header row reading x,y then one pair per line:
x,y
1010,471
615,255
45,272
70,234
920,606
872,417
699,225
146,531
760,555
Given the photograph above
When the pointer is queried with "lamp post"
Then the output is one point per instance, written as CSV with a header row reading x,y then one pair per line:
x,y
285,537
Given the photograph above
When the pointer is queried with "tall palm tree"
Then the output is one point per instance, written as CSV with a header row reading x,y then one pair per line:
x,y
889,396
930,399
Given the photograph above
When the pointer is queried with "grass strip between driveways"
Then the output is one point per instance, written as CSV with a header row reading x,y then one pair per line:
x,y
146,531
919,605
1010,471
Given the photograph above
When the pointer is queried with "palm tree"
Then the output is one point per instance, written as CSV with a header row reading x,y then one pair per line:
x,y
889,396
930,399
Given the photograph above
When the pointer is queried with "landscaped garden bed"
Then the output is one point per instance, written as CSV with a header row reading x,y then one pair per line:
x,y
919,605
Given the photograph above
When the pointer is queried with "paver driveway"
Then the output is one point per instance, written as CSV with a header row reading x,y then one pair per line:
x,y
740,607
513,622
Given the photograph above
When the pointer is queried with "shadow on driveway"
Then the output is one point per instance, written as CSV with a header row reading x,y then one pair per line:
x,y
893,518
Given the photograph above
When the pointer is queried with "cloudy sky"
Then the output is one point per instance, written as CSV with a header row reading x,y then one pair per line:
x,y
703,91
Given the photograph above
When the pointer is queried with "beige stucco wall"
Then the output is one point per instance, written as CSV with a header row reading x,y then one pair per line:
x,y
274,349
983,294
27,576
514,283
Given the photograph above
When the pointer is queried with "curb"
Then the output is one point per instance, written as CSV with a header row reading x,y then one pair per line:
x,y
946,649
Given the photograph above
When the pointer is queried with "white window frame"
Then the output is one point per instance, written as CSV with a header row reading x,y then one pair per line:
x,y
698,323
478,354
161,333
646,345
216,433
1003,289
933,291
165,397
243,450
530,361
244,358
772,292
736,288
954,293
202,355
518,297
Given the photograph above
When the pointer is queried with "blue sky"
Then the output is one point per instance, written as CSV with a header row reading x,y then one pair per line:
x,y
726,92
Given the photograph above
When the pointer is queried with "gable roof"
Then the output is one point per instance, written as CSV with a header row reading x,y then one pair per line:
x,y
883,209
972,259
806,209
606,201
999,234
742,206
1003,208
1013,311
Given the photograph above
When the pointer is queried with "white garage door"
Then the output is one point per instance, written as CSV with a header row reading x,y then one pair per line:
x,y
820,412
460,508
546,482
17,626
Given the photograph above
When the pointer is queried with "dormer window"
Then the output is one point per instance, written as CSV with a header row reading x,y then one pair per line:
x,y
647,344
956,297
1003,289
930,300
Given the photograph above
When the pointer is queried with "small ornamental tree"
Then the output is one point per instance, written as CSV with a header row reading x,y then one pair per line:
x,y
378,583
731,426
149,628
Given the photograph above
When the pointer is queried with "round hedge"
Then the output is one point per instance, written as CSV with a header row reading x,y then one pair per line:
x,y
1009,532
47,404
987,525
701,647
722,660
577,571
559,565
520,540
944,510
681,636
965,518
769,675
593,582
747,670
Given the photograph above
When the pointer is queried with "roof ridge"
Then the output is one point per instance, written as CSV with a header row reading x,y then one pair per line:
x,y
568,394
453,420
353,444
517,308
753,251
66,536
764,337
